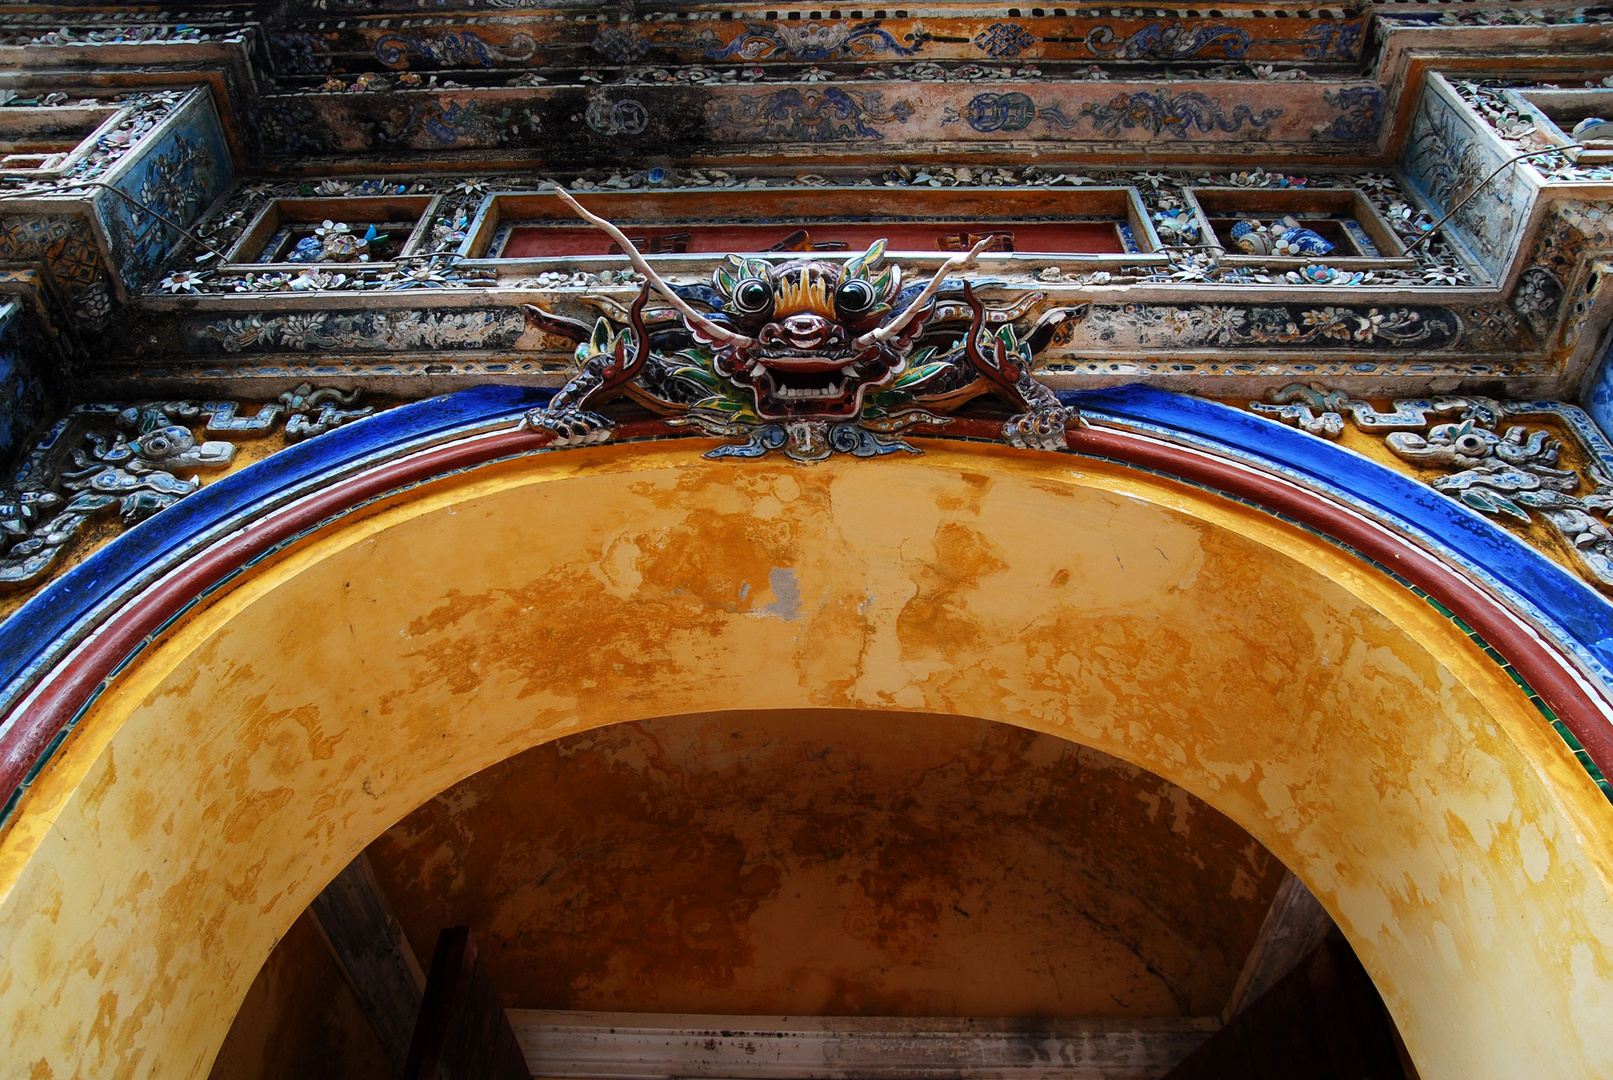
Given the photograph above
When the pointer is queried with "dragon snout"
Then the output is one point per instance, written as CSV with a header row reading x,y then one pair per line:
x,y
803,332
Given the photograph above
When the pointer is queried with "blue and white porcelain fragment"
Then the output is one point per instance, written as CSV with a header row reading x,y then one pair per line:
x,y
1285,238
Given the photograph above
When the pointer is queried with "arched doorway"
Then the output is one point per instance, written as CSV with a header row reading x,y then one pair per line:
x,y
1351,727
833,862
997,896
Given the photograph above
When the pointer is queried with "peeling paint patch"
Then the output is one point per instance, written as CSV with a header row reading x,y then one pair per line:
x,y
788,591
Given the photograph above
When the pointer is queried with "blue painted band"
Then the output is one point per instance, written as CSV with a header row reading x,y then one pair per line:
x,y
1599,394
1568,607
65,609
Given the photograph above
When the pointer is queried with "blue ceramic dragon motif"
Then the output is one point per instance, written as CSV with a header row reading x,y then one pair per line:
x,y
1177,115
1168,41
813,41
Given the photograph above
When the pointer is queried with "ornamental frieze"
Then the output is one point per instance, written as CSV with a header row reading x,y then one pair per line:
x,y
1315,118
1197,232
1319,330
1178,206
325,331
758,36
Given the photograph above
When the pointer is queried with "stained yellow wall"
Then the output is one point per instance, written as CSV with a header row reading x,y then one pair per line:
x,y
233,771
826,862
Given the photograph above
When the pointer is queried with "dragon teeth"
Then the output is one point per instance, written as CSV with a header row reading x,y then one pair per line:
x,y
795,393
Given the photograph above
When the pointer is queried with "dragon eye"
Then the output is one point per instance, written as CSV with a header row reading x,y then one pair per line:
x,y
753,296
854,297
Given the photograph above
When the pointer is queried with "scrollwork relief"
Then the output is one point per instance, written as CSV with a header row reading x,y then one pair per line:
x,y
126,463
1508,472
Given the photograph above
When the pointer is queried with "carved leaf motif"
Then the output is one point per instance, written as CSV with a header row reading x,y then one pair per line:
x,y
1491,502
915,376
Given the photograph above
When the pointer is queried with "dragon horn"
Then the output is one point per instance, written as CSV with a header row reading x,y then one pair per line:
x,y
882,334
711,329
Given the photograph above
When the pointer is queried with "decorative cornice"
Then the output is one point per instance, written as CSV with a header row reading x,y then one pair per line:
x,y
140,115
1518,127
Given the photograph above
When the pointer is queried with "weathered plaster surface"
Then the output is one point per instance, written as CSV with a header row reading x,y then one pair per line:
x,y
833,863
1335,716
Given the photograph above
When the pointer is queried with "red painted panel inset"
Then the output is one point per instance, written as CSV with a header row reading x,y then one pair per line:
x,y
1050,238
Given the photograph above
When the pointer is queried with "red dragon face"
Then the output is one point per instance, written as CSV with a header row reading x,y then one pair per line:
x,y
806,339
806,351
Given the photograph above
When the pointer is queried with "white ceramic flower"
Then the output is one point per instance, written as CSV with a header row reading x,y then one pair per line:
x,y
183,281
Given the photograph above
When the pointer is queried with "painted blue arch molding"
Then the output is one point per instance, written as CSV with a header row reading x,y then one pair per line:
x,y
1560,605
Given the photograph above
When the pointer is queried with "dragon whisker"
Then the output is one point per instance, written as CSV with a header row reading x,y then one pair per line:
x,y
642,265
891,329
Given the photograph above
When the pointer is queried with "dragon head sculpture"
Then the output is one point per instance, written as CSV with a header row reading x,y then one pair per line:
x,y
807,346
811,356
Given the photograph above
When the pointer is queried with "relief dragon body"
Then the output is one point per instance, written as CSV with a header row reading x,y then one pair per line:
x,y
807,356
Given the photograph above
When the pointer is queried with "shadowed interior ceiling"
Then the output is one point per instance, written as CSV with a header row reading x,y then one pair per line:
x,y
836,863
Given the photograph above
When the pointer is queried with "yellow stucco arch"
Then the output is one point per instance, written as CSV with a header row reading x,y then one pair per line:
x,y
242,761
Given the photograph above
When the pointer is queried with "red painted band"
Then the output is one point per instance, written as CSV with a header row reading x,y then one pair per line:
x,y
60,698
72,684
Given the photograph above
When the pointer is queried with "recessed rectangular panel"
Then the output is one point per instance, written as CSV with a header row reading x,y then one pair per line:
x,y
539,241
1341,216
274,237
1099,223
